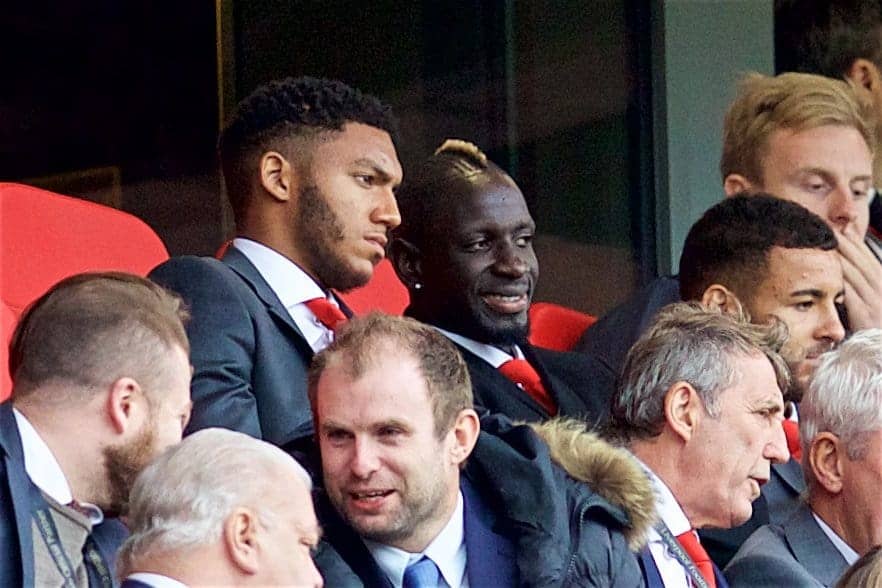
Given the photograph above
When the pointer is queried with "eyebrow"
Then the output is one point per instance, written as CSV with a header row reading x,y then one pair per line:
x,y
815,293
377,169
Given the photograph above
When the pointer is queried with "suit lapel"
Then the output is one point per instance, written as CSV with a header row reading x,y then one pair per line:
x,y
811,547
490,557
19,483
496,392
568,403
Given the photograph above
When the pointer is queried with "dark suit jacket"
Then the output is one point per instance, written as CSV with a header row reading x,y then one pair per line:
x,y
490,556
16,538
580,386
250,358
653,578
797,553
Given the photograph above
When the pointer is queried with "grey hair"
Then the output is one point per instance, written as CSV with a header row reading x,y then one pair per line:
x,y
693,344
845,394
181,500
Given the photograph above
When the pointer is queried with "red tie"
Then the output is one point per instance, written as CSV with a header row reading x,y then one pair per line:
x,y
521,372
690,544
327,313
791,431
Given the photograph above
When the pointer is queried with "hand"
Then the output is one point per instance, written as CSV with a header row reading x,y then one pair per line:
x,y
863,281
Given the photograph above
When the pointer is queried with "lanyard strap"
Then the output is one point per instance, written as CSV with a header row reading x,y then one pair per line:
x,y
680,555
94,562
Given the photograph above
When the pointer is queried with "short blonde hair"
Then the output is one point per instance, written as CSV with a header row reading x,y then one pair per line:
x,y
793,101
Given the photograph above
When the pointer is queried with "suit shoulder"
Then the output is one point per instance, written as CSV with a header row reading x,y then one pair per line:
x,y
185,269
765,560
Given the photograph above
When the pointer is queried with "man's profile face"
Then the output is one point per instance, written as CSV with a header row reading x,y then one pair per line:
x,y
802,287
479,267
827,169
738,447
346,205
385,470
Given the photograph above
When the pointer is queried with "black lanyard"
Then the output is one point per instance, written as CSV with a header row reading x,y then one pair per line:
x,y
680,555
93,560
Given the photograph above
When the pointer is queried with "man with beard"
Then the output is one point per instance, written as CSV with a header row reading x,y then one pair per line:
x,y
419,492
101,385
310,170
776,259
465,253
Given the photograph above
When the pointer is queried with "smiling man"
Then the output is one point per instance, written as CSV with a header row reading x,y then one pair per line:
x,y
310,169
418,492
465,252
701,406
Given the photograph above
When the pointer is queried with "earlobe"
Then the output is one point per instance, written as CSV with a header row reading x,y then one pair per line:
x,y
240,539
123,403
683,410
406,259
735,184
465,433
825,459
276,175
718,297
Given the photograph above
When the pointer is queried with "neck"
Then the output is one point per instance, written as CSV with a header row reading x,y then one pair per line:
x,y
274,235
662,456
834,511
202,566
81,462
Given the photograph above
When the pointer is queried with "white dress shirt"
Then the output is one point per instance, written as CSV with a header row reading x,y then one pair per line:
x,y
844,548
489,353
44,470
293,286
156,580
672,572
447,550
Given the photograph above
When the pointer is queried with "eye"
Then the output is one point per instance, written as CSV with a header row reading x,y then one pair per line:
x,y
861,192
366,180
390,433
524,240
337,435
477,245
804,305
816,186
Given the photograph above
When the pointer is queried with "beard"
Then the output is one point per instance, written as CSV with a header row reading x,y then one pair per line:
x,y
122,464
321,233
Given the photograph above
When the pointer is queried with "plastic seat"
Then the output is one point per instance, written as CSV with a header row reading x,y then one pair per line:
x,y
557,327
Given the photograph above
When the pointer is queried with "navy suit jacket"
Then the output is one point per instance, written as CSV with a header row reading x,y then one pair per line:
x,y
490,556
250,359
579,385
16,538
653,578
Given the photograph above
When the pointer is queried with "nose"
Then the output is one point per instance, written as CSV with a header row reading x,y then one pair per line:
x,y
509,260
842,209
386,209
365,460
831,327
776,449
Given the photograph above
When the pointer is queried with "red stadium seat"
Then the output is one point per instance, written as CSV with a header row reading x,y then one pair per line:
x,y
557,327
384,292
45,237
7,322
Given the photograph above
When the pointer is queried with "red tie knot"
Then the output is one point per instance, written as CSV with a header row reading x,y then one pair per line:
x,y
521,372
327,313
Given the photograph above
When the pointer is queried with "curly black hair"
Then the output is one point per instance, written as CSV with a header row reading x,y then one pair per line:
x,y
284,109
730,244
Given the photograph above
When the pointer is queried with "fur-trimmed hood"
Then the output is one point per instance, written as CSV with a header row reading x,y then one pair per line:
x,y
610,471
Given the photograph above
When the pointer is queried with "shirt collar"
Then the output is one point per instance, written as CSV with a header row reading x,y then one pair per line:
x,y
287,280
489,353
156,580
447,550
40,464
844,548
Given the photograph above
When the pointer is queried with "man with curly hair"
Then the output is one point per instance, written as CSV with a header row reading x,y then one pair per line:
x,y
310,169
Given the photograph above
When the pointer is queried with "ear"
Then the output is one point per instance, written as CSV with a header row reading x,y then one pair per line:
x,y
736,183
126,405
825,459
683,410
465,434
406,258
719,297
240,535
864,73
276,175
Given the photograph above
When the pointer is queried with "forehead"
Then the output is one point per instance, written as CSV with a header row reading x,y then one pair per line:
x,y
391,387
837,149
357,142
755,384
491,201
791,270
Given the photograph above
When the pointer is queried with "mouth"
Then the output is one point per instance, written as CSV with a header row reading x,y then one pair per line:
x,y
369,500
507,303
378,242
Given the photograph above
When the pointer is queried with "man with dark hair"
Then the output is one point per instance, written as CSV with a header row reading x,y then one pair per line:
x,y
418,492
465,253
700,405
310,169
101,385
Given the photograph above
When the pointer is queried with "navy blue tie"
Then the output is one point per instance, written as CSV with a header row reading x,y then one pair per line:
x,y
421,574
